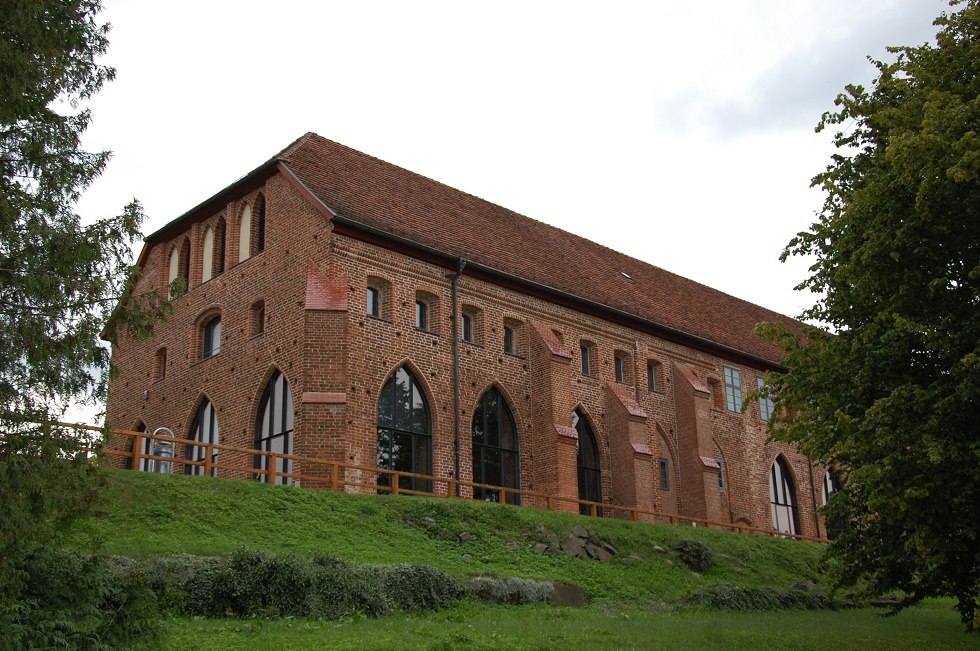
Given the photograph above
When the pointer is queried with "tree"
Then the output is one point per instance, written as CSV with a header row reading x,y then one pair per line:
x,y
59,278
891,399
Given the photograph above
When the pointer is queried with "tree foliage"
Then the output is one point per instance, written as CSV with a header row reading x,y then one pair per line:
x,y
892,398
59,277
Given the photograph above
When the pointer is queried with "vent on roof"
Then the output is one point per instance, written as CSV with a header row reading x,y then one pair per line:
x,y
626,275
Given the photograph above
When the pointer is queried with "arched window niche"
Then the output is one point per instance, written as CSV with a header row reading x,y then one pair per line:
x,y
782,497
204,429
404,432
589,466
274,430
496,459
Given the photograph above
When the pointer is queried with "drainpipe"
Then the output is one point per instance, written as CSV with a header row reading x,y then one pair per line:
x,y
460,265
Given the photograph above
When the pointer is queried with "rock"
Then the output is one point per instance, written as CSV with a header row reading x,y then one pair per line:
x,y
580,532
659,549
602,555
592,551
609,548
738,569
554,547
512,544
668,561
567,594
634,557
467,557
572,546
541,532
540,548
466,537
428,522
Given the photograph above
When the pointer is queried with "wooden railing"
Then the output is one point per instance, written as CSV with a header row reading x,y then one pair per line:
x,y
338,476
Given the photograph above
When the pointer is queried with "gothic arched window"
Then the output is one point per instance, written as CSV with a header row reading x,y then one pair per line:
x,y
404,432
274,428
589,469
495,453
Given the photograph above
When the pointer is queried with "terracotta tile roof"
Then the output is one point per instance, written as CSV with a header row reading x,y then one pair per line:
x,y
382,196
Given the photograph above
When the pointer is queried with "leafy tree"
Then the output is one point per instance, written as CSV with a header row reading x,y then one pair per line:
x,y
892,398
59,278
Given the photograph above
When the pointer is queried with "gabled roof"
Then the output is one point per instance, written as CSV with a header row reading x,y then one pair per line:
x,y
389,199
390,202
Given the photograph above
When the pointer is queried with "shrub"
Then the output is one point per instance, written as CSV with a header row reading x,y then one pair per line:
x,y
419,587
341,589
695,554
510,590
727,597
78,601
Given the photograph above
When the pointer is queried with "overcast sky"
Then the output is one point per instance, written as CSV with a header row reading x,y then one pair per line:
x,y
681,133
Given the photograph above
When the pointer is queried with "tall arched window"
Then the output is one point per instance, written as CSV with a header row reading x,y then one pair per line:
x,y
203,430
179,266
495,455
404,432
274,428
146,448
782,496
218,265
589,472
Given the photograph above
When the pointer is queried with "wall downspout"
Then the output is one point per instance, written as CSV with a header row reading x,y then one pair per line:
x,y
460,265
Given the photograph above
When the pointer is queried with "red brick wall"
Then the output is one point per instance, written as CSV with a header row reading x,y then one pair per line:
x,y
340,358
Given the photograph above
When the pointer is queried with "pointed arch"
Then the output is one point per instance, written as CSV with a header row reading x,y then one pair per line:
x,y
589,461
245,233
207,255
218,263
204,429
404,430
782,497
496,448
274,422
259,216
145,449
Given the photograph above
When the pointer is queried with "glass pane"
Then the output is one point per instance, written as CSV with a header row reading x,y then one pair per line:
x,y
385,402
479,435
403,400
287,405
401,451
491,402
420,414
508,439
384,448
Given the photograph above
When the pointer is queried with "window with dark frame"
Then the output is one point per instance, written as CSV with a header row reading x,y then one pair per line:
x,y
721,473
260,224
652,383
421,315
274,430
664,465
260,319
589,466
374,302
782,497
404,432
466,331
586,353
203,430
212,338
161,364
508,340
619,360
766,404
733,389
495,448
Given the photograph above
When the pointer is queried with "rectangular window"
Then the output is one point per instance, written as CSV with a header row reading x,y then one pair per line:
x,y
766,405
508,340
467,331
664,475
620,362
421,315
721,474
586,365
651,377
733,389
212,338
161,364
374,302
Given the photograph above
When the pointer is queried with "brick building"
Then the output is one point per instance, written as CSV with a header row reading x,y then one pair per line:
x,y
318,320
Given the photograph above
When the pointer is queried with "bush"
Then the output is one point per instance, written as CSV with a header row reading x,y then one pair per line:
x,y
78,601
727,597
419,587
510,590
695,554
341,589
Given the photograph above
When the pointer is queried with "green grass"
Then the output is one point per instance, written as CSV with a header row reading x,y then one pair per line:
x,y
141,515
477,626
632,597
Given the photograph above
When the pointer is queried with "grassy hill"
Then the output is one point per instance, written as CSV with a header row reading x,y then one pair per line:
x,y
633,596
